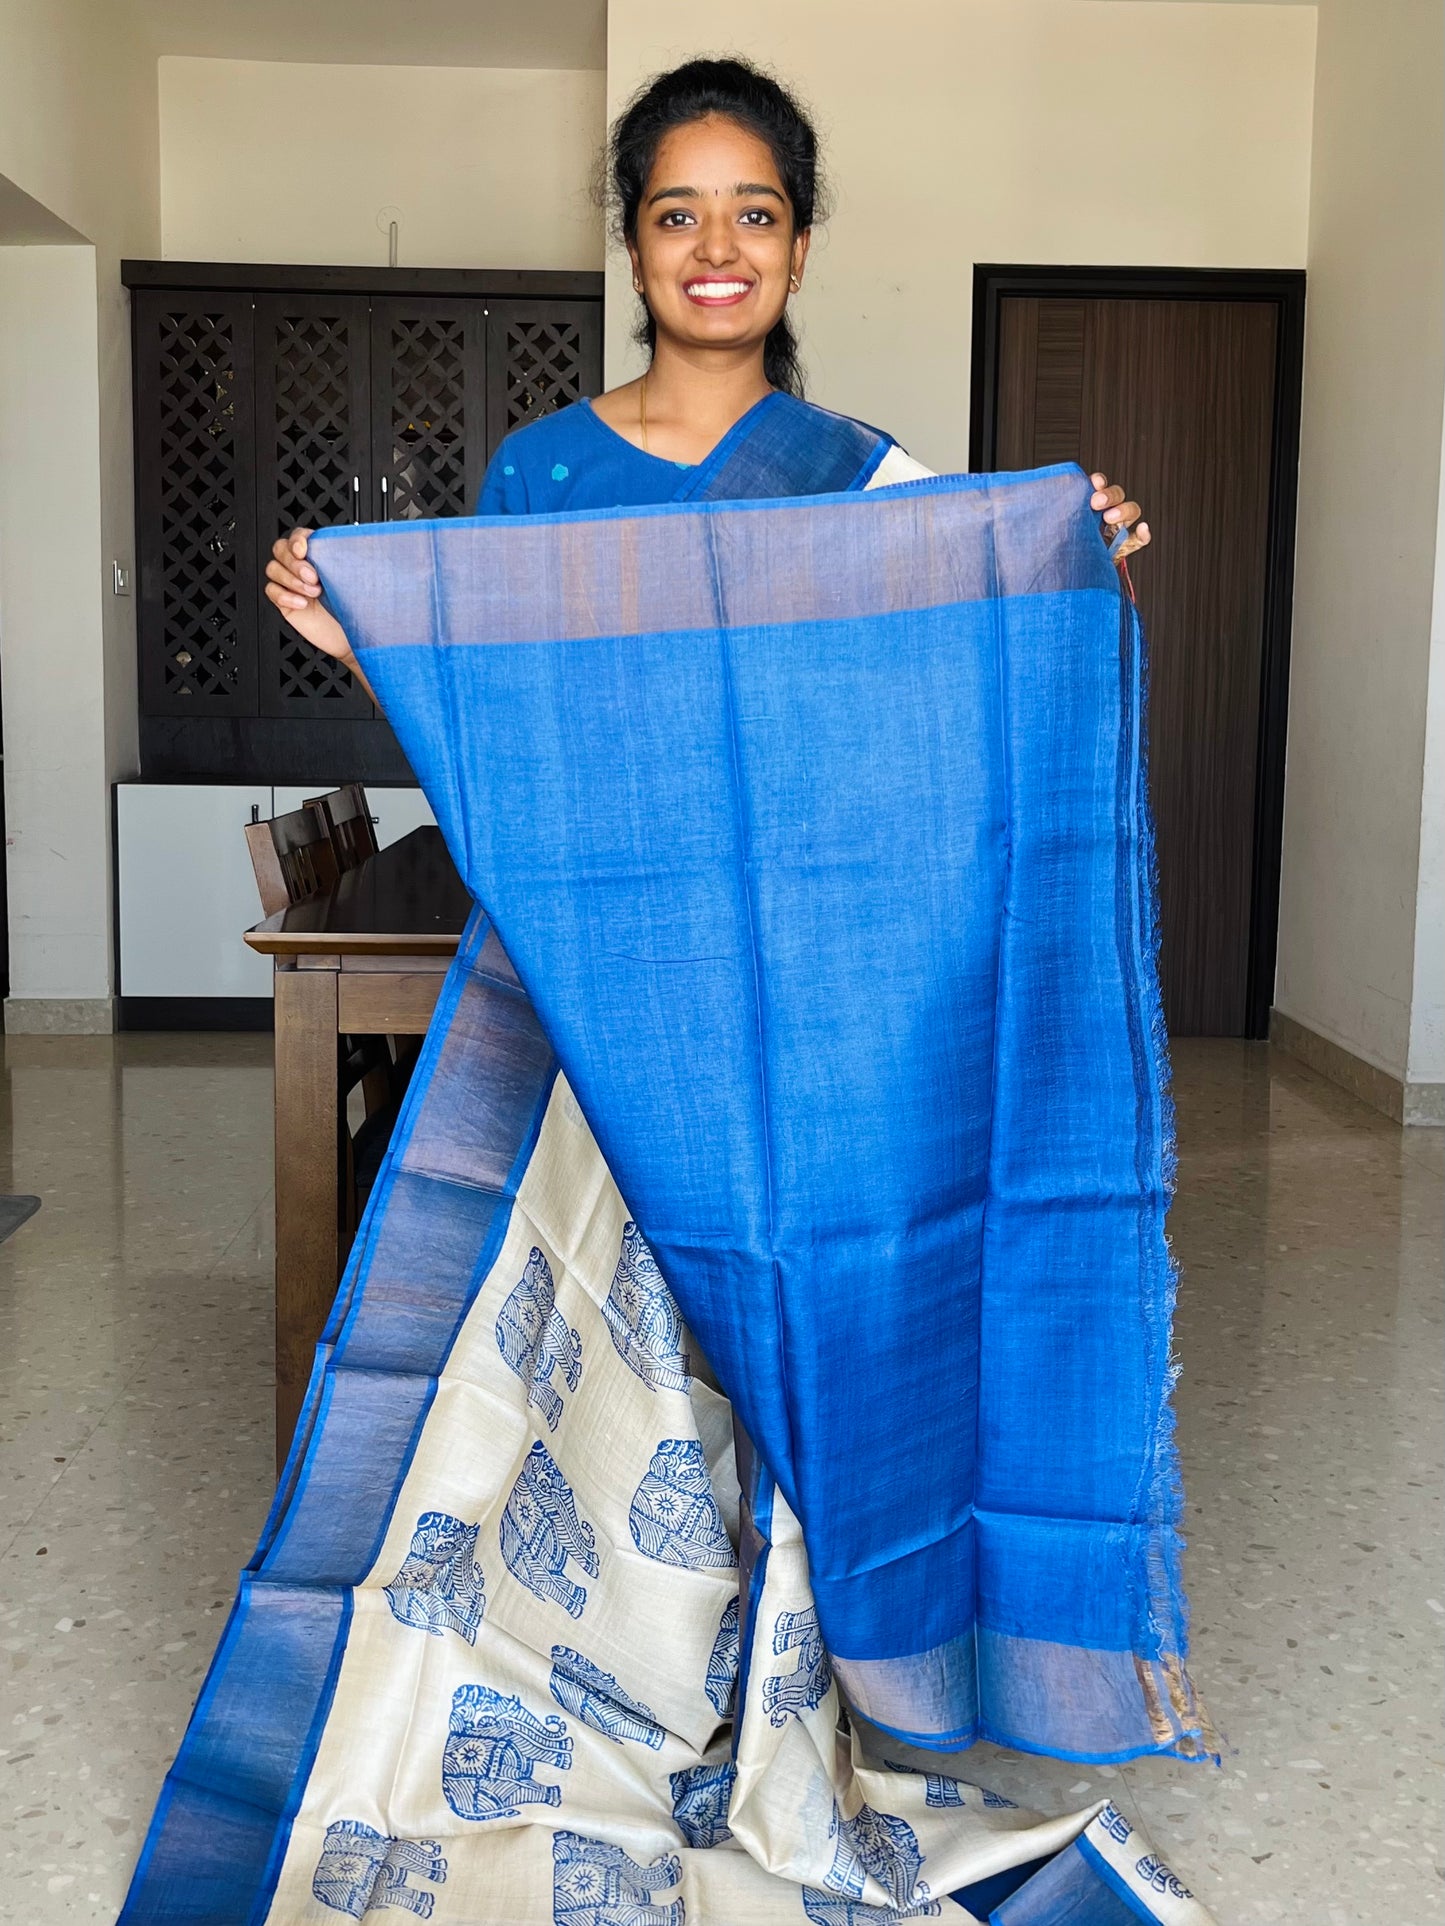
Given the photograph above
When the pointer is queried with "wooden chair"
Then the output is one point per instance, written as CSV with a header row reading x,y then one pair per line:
x,y
293,857
348,823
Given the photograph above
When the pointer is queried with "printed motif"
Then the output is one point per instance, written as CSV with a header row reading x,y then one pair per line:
x,y
1115,1824
828,1909
941,1791
789,1694
492,1748
536,1340
880,1844
361,1870
674,1516
598,1700
594,1884
643,1319
540,1531
721,1683
440,1586
1160,1879
700,1796
997,1800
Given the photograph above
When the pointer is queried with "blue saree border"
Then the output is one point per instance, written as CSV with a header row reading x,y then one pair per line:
x,y
222,1824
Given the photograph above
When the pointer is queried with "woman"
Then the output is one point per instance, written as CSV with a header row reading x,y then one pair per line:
x,y
715,180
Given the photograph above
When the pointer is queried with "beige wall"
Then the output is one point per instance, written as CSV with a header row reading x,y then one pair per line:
x,y
482,167
1353,891
78,136
993,130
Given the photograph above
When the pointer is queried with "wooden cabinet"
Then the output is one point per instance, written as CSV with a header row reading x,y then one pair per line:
x,y
267,398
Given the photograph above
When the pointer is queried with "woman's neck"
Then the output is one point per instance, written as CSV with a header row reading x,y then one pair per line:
x,y
691,399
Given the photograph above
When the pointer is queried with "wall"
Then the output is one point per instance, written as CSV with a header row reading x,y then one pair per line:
x,y
1002,130
1425,1071
1354,896
78,135
483,167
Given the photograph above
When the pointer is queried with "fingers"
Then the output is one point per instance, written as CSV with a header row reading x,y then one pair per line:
x,y
291,584
1136,539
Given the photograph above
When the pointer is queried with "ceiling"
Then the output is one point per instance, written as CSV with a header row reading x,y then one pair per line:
x,y
404,33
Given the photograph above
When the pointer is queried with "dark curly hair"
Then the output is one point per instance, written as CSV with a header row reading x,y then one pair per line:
x,y
743,93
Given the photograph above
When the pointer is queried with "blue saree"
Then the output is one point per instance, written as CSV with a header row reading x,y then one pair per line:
x,y
816,922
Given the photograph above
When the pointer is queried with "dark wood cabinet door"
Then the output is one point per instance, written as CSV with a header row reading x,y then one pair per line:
x,y
313,470
540,356
1176,399
195,519
429,406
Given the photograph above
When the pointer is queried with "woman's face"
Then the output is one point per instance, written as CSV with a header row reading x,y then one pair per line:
x,y
715,248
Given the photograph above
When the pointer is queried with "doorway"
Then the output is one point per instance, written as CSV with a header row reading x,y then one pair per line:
x,y
1185,385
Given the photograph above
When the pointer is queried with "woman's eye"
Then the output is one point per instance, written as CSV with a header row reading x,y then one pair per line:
x,y
676,217
758,217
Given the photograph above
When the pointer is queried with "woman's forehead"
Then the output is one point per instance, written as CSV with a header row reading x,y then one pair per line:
x,y
716,155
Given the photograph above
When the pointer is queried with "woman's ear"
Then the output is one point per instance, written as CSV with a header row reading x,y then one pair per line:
x,y
800,254
636,259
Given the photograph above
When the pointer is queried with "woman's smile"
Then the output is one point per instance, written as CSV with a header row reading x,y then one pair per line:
x,y
711,291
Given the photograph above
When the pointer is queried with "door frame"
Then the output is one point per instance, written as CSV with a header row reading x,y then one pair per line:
x,y
1284,288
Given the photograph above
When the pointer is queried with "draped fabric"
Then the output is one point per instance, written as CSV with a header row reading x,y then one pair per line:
x,y
819,926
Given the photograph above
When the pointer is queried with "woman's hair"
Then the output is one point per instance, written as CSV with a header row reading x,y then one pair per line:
x,y
743,93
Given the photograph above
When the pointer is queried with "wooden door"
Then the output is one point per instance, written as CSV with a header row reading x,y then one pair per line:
x,y
1176,399
195,518
541,354
313,470
429,405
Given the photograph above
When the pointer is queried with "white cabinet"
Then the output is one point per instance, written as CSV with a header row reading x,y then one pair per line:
x,y
186,889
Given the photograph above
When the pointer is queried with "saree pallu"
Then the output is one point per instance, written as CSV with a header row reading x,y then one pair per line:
x,y
820,927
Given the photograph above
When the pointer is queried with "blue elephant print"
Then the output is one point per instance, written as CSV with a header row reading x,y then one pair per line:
x,y
721,1682
1115,1824
789,1694
880,1844
700,1796
540,1531
1158,1878
493,1746
596,1884
674,1516
536,1340
440,1587
361,1870
997,1801
829,1909
595,1697
640,1313
941,1791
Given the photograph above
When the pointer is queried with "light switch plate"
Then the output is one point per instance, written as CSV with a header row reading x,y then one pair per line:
x,y
120,578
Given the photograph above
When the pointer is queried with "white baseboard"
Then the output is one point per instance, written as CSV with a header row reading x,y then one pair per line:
x,y
1398,1099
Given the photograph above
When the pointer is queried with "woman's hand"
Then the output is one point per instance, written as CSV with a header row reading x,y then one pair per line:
x,y
1109,497
293,585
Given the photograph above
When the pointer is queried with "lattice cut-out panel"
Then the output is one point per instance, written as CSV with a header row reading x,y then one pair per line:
x,y
311,427
544,368
197,650
429,400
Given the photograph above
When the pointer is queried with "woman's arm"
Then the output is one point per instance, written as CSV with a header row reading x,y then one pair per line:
x,y
294,587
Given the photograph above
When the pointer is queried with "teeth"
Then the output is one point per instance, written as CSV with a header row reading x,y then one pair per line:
x,y
716,290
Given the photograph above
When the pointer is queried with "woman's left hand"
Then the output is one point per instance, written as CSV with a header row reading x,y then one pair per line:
x,y
1118,513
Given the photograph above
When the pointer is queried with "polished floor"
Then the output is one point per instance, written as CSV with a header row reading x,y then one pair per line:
x,y
135,1468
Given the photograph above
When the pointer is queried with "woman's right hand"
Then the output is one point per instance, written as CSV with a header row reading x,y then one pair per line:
x,y
294,587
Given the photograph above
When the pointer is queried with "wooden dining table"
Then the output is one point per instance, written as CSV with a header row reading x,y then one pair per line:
x,y
366,958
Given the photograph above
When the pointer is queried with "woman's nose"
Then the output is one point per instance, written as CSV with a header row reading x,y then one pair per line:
x,y
716,242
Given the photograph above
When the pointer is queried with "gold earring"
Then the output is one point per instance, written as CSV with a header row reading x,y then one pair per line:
x,y
637,287
794,283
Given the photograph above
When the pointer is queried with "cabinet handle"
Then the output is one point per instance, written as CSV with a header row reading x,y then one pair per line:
x,y
356,498
385,499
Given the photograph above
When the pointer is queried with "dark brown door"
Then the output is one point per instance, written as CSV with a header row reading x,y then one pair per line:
x,y
540,356
1176,399
429,405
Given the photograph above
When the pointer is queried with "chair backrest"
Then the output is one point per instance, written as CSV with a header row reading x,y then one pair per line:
x,y
292,857
348,821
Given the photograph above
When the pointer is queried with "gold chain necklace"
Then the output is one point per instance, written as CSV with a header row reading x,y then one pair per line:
x,y
642,413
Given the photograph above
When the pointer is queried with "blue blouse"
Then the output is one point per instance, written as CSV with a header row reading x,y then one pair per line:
x,y
571,460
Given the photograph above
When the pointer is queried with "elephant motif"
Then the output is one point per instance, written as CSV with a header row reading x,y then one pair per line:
x,y
1115,1824
536,1340
789,1694
674,1516
440,1586
493,1746
829,1909
640,1313
722,1666
595,1884
941,1791
997,1801
1158,1877
883,1845
700,1796
361,1870
598,1700
540,1531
